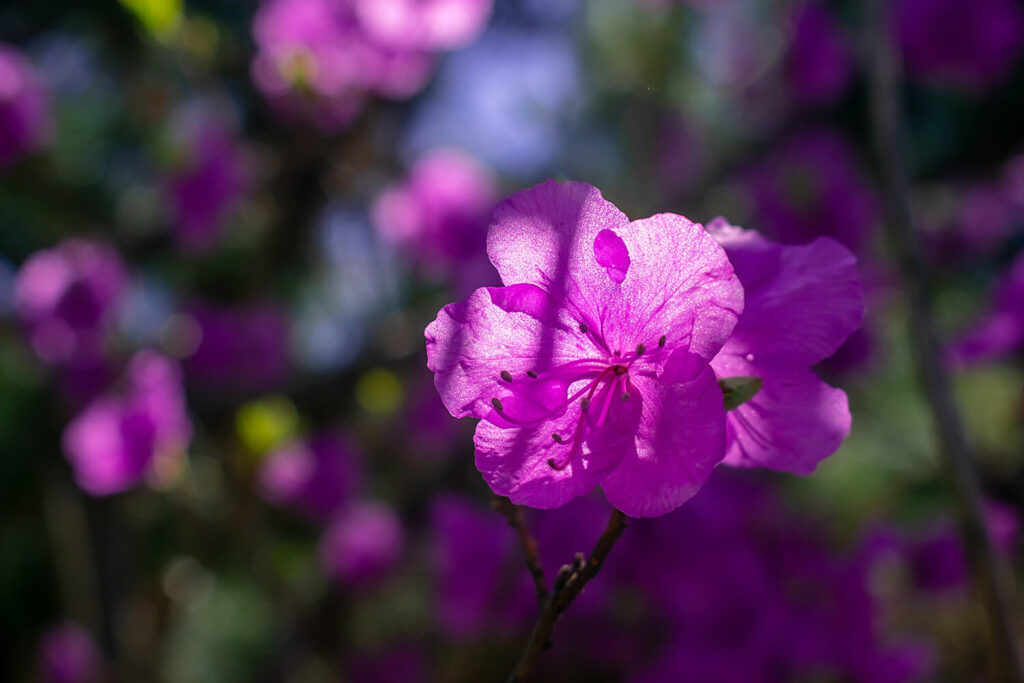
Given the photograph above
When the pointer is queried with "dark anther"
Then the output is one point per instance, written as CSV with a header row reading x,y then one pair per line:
x,y
497,404
661,342
640,348
531,374
583,328
620,369
506,375
625,397
617,353
557,437
584,403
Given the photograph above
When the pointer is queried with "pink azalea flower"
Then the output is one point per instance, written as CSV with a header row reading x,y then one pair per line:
x,y
591,366
802,303
113,442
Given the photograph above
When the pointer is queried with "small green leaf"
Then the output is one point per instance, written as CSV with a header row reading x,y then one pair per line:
x,y
738,390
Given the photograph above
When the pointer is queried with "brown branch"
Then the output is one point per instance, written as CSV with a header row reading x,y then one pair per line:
x,y
518,522
988,569
568,584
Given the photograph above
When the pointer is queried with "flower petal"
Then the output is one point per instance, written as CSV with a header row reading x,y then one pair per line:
x,y
794,422
472,343
546,236
681,438
514,462
802,302
680,285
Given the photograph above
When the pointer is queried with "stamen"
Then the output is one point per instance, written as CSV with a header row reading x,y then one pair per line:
x,y
585,403
506,375
661,342
557,437
531,374
620,369
625,396
640,348
583,328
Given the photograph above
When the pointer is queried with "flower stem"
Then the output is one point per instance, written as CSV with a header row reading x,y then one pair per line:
x,y
568,584
987,566
517,522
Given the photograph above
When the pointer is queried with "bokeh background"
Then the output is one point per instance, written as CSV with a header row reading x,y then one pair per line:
x,y
224,225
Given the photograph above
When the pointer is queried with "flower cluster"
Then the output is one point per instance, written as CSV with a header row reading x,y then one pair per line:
x,y
604,358
320,59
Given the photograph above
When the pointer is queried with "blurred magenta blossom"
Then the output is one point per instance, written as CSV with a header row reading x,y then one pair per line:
x,y
67,298
207,179
970,44
818,65
114,442
439,216
24,108
1000,332
591,366
68,655
242,348
317,476
812,185
319,60
362,544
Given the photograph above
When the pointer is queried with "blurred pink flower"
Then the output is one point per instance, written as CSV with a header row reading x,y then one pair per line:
x,y
439,216
24,109
66,297
112,444
363,544
317,476
969,44
207,180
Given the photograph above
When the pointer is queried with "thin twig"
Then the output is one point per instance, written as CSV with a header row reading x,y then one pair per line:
x,y
518,522
568,584
987,566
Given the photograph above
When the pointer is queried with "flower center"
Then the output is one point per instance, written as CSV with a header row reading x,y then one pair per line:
x,y
606,381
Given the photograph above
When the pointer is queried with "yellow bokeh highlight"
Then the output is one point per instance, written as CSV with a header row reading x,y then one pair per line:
x,y
160,17
379,392
265,423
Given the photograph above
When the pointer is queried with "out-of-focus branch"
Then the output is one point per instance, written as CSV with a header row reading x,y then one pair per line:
x,y
988,569
568,584
518,522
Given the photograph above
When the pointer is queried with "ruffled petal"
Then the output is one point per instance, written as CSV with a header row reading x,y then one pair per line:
x,y
794,422
472,343
681,437
802,302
